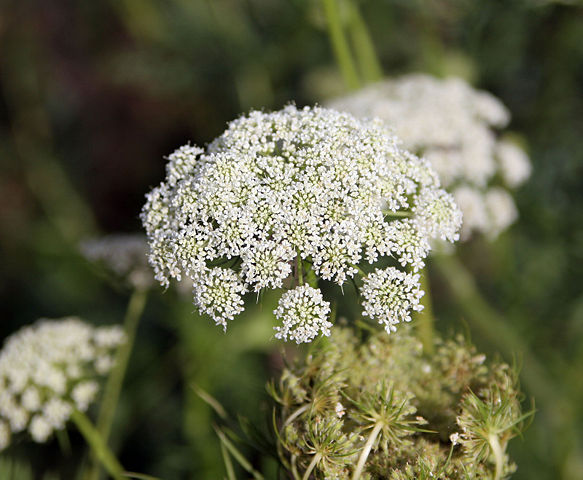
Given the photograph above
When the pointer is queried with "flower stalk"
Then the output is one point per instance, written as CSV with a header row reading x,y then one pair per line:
x,y
114,383
98,445
340,44
366,450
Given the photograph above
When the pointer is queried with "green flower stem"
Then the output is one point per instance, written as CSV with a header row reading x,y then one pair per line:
x,y
312,465
366,55
98,445
360,270
425,320
296,414
498,331
390,213
498,454
115,380
294,468
340,44
366,451
300,269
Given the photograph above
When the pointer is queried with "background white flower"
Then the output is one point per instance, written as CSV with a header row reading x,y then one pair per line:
x,y
451,125
278,194
49,369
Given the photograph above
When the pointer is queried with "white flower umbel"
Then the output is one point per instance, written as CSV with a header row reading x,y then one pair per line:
x,y
48,370
218,292
390,295
452,126
283,195
303,313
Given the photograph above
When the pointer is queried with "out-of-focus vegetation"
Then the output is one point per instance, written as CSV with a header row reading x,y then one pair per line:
x,y
94,94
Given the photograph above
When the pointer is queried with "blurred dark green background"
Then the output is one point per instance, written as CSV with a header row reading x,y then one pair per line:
x,y
93,94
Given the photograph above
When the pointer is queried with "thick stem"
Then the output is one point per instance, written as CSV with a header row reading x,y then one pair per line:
x,y
425,319
312,465
340,45
115,380
366,450
98,445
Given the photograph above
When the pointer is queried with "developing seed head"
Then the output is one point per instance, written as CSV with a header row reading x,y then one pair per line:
x,y
406,415
285,194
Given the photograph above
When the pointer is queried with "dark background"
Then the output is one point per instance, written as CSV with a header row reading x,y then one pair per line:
x,y
94,94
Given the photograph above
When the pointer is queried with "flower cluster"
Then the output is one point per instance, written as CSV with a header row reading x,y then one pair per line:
x,y
283,196
391,290
49,369
393,408
450,124
124,254
303,313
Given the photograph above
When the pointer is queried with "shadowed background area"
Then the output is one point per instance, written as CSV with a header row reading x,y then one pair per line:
x,y
93,95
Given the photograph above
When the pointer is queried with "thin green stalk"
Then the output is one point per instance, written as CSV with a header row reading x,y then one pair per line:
x,y
366,55
115,380
296,414
366,451
228,464
312,465
98,445
425,320
340,44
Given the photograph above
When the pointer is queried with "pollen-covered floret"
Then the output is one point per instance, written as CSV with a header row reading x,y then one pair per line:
x,y
285,195
452,126
48,370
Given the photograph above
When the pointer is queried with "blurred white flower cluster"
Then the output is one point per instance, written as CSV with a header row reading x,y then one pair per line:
x,y
451,125
49,369
282,195
124,254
